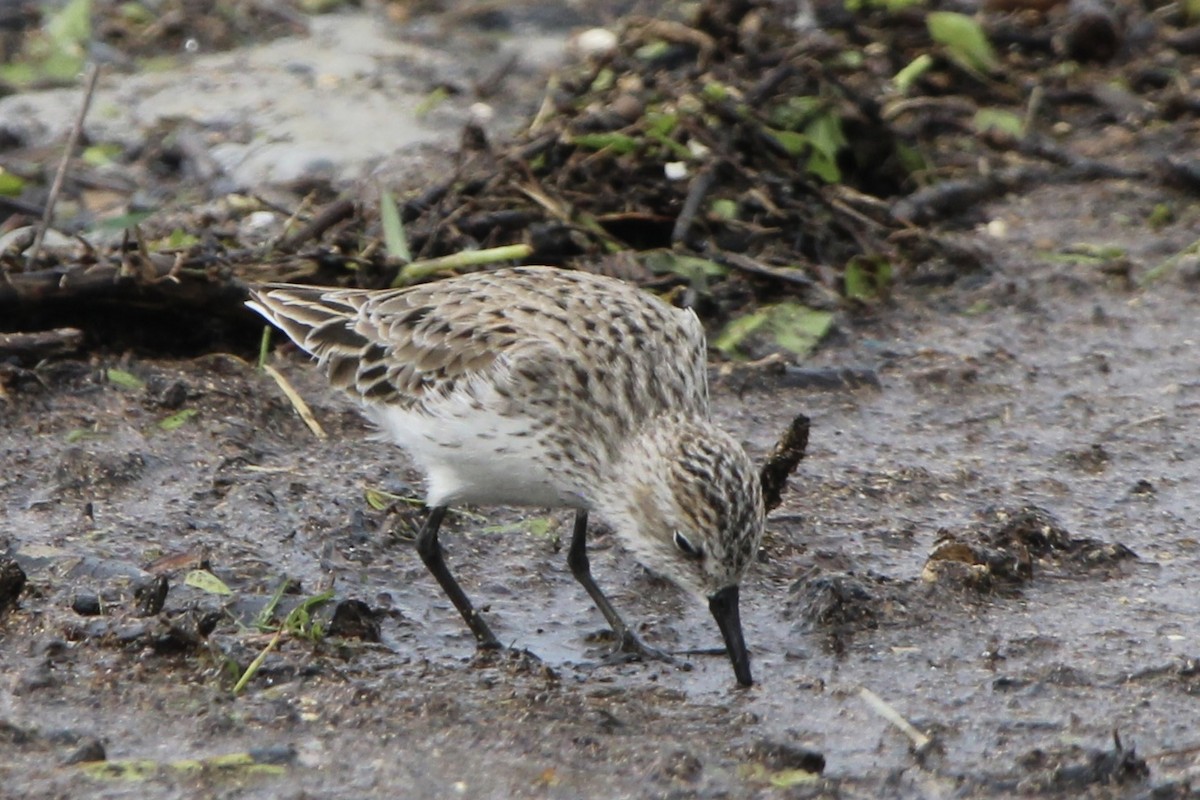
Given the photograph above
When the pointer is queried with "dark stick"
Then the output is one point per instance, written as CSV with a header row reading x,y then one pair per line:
x,y
40,344
701,183
329,216
784,457
61,174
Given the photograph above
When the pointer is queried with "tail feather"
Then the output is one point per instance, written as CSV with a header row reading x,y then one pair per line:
x,y
311,318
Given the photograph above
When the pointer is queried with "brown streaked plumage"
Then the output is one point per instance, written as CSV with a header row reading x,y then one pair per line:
x,y
541,386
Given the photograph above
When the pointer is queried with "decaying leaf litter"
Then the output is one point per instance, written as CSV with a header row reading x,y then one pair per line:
x,y
771,172
727,263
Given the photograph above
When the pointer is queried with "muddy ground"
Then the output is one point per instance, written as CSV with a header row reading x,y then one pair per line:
x,y
1061,389
1043,382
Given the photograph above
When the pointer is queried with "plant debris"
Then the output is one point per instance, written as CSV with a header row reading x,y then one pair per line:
x,y
1004,546
749,160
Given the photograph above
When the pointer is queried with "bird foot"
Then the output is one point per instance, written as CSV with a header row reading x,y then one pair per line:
x,y
629,647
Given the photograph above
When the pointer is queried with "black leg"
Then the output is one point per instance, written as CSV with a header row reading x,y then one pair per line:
x,y
577,560
431,554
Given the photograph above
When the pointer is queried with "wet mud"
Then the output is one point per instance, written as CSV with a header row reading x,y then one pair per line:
x,y
995,536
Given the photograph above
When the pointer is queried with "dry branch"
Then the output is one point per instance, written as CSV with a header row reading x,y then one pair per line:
x,y
33,347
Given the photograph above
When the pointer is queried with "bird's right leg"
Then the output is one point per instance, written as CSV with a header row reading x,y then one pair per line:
x,y
431,554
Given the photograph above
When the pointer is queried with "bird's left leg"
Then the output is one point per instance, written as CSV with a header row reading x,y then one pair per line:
x,y
577,559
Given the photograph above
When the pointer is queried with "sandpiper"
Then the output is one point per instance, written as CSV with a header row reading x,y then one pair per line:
x,y
546,387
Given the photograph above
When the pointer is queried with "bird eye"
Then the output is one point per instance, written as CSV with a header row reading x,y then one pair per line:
x,y
690,550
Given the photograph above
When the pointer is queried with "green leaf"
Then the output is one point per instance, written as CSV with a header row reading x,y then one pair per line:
x,y
964,39
738,330
792,114
377,499
394,238
798,328
791,777
791,326
381,500
794,144
227,768
723,208
300,621
693,268
821,140
431,101
72,26
263,620
659,123
995,118
912,72
126,380
780,779
1160,216
823,167
60,67
653,50
716,92
181,240
849,60
80,434
604,80
867,277
10,185
825,133
536,526
912,159
205,581
176,420
619,143
101,155
320,6
136,13
124,221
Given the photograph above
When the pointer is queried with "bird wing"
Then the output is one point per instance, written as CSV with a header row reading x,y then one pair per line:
x,y
396,347
631,353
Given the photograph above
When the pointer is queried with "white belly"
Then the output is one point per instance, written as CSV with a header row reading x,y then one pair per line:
x,y
474,456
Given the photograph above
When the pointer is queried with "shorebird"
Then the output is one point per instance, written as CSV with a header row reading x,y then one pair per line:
x,y
540,386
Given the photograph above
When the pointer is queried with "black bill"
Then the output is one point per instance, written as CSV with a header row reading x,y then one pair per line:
x,y
724,607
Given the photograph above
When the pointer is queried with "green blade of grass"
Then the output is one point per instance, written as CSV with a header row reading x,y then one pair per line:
x,y
394,238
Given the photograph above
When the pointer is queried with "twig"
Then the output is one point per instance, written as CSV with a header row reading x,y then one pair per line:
x,y
254,665
1169,264
697,191
329,216
882,708
40,344
297,401
746,264
61,174
783,459
465,260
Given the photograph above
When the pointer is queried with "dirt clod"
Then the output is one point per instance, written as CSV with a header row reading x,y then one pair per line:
x,y
12,581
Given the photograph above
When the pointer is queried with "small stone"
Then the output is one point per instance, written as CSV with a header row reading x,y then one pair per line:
x,y
86,604
89,749
354,619
151,595
595,42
